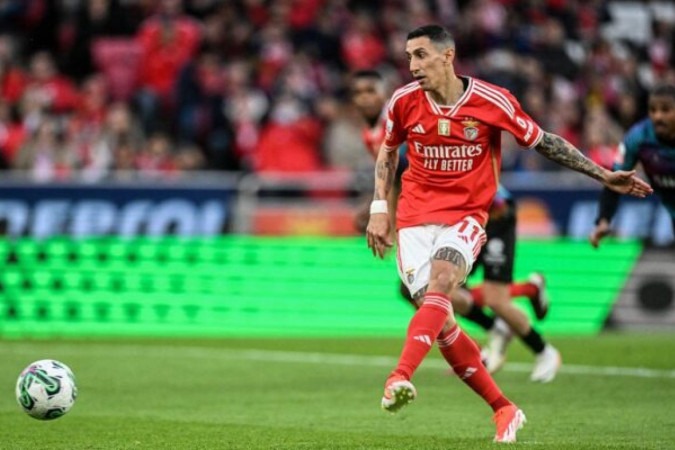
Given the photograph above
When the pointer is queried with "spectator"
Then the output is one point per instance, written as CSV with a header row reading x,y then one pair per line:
x,y
46,156
12,78
290,141
12,135
86,122
362,48
168,41
124,162
156,159
94,19
245,106
190,158
119,129
51,90
199,96
209,73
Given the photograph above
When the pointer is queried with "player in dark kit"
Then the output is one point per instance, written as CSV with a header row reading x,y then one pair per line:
x,y
497,258
651,143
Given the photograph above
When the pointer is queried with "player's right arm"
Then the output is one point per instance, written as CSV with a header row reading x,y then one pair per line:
x,y
377,232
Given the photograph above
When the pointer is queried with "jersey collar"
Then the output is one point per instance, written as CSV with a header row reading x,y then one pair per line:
x,y
449,110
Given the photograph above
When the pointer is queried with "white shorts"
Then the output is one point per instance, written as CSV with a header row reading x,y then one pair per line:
x,y
417,246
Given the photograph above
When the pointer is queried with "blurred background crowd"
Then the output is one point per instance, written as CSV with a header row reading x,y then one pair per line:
x,y
95,89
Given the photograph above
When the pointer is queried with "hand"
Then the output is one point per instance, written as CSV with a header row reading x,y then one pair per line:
x,y
601,230
626,182
362,217
378,235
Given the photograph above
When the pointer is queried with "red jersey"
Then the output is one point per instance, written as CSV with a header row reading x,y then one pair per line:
x,y
454,152
374,136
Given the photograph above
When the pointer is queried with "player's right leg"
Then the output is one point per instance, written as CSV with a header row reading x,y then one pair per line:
x,y
431,271
413,248
398,392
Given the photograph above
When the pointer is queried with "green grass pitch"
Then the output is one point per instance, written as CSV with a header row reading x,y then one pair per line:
x,y
615,391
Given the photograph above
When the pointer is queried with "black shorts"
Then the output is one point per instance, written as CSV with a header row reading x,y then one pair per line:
x,y
499,252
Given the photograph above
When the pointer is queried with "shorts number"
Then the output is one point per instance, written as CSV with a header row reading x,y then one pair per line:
x,y
468,234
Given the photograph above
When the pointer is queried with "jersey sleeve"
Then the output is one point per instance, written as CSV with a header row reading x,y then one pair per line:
x,y
626,158
517,122
394,133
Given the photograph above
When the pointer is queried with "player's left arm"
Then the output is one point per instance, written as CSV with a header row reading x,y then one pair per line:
x,y
559,150
555,148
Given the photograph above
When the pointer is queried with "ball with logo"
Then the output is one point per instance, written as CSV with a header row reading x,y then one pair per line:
x,y
46,389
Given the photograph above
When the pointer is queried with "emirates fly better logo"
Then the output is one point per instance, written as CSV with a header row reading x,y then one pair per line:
x,y
448,158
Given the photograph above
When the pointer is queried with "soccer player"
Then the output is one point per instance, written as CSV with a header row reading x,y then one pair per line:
x,y
452,125
368,93
651,143
497,258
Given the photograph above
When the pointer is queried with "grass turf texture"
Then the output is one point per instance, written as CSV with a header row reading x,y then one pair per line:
x,y
324,394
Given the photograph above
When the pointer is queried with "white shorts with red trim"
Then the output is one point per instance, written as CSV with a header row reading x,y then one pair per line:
x,y
418,245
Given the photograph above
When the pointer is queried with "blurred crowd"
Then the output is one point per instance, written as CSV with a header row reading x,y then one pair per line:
x,y
142,88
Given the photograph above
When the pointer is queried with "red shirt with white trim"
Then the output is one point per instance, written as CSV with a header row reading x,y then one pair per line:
x,y
454,151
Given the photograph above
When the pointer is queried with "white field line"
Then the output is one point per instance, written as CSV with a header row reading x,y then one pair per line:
x,y
165,351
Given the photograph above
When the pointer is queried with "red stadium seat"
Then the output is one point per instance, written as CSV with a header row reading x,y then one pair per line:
x,y
118,59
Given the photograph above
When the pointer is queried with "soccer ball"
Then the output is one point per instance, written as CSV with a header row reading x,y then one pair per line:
x,y
46,389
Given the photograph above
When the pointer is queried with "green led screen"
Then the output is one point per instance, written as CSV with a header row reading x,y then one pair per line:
x,y
253,286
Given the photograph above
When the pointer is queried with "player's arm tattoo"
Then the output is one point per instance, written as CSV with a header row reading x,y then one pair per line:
x,y
385,169
559,150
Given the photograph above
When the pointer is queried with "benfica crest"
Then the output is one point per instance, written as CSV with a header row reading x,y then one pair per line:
x,y
470,128
443,127
410,275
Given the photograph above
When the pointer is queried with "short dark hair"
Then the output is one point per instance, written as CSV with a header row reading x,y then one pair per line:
x,y
436,34
663,89
367,73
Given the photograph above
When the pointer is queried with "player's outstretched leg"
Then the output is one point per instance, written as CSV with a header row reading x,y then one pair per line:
x,y
464,357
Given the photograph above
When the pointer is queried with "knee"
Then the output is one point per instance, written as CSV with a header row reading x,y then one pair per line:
x,y
443,282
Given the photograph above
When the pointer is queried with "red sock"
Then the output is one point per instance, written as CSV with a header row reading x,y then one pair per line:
x,y
477,295
464,357
522,290
425,325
